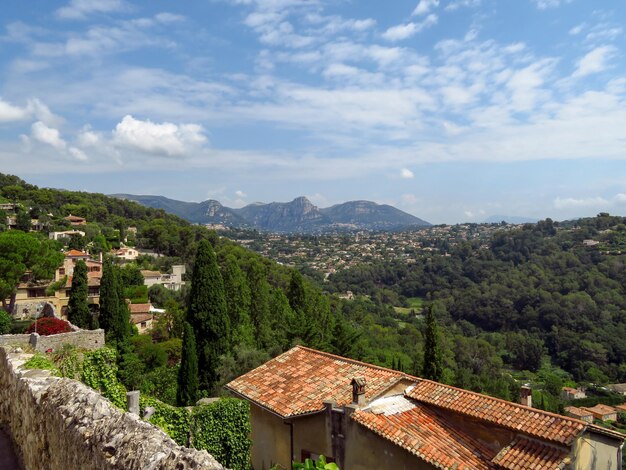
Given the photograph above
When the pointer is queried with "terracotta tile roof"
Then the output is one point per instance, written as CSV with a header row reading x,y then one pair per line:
x,y
147,273
510,415
137,318
600,409
621,408
426,434
577,412
301,379
139,308
73,253
527,454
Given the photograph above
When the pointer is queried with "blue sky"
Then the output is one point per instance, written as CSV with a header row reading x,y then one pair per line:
x,y
453,110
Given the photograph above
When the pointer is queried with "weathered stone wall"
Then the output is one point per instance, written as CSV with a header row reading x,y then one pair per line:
x,y
61,424
14,340
82,339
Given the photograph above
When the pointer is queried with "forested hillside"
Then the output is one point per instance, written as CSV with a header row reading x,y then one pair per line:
x,y
562,288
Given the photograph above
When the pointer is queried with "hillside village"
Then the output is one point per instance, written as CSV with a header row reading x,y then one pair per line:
x,y
380,410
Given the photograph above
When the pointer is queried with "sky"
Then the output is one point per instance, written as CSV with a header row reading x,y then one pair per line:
x,y
452,110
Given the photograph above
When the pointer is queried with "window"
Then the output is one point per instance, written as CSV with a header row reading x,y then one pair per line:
x,y
62,271
36,293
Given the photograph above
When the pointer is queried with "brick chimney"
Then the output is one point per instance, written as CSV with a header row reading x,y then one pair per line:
x,y
358,391
526,396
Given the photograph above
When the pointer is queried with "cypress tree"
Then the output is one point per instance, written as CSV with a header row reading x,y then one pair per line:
x,y
238,297
187,392
208,315
109,298
433,362
114,314
296,293
78,309
259,304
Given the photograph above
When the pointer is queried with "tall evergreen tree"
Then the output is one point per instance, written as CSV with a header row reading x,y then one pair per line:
x,y
187,392
433,361
238,297
114,314
259,304
296,292
207,315
78,308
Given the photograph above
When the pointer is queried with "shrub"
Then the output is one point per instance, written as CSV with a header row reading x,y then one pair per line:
x,y
49,326
39,361
5,322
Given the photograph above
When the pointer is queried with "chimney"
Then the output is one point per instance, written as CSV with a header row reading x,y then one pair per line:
x,y
358,391
526,396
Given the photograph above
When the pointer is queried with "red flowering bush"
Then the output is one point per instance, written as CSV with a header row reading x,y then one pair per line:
x,y
49,326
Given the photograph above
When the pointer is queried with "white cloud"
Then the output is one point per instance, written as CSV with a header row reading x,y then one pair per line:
x,y
80,9
240,194
425,6
34,109
577,29
404,31
47,135
406,173
455,5
594,61
174,140
545,4
9,112
78,154
574,203
620,198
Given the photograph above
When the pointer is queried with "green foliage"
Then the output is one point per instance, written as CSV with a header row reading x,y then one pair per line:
x,y
136,294
208,316
433,364
238,298
242,359
188,381
319,464
100,373
21,252
78,309
259,304
161,383
5,322
114,316
69,362
169,324
130,275
223,429
176,422
40,361
56,286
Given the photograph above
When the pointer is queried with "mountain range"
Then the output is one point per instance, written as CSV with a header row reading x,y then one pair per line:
x,y
299,215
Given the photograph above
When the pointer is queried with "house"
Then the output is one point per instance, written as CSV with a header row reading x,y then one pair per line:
x,y
65,234
620,408
569,393
34,297
602,412
618,388
75,220
305,403
142,316
579,413
126,253
172,281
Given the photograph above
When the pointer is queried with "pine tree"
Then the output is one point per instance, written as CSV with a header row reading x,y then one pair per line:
x,y
78,309
238,297
208,316
433,362
187,392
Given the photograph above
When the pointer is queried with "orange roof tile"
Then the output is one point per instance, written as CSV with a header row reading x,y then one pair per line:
x,y
136,318
575,411
139,308
73,253
600,409
426,434
301,379
526,420
526,454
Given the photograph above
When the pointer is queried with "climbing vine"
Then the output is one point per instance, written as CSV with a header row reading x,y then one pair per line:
x,y
100,373
223,429
173,420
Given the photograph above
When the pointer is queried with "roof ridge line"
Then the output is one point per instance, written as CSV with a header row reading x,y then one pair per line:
x,y
355,361
528,408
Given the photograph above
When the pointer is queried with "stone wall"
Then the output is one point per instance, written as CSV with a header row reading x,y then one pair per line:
x,y
61,424
82,339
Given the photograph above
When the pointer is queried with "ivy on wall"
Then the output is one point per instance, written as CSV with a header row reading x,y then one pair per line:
x,y
175,421
100,373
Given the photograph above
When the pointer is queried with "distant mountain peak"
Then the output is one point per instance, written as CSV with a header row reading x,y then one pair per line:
x,y
298,215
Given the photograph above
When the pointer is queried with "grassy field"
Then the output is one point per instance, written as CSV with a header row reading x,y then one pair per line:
x,y
415,304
